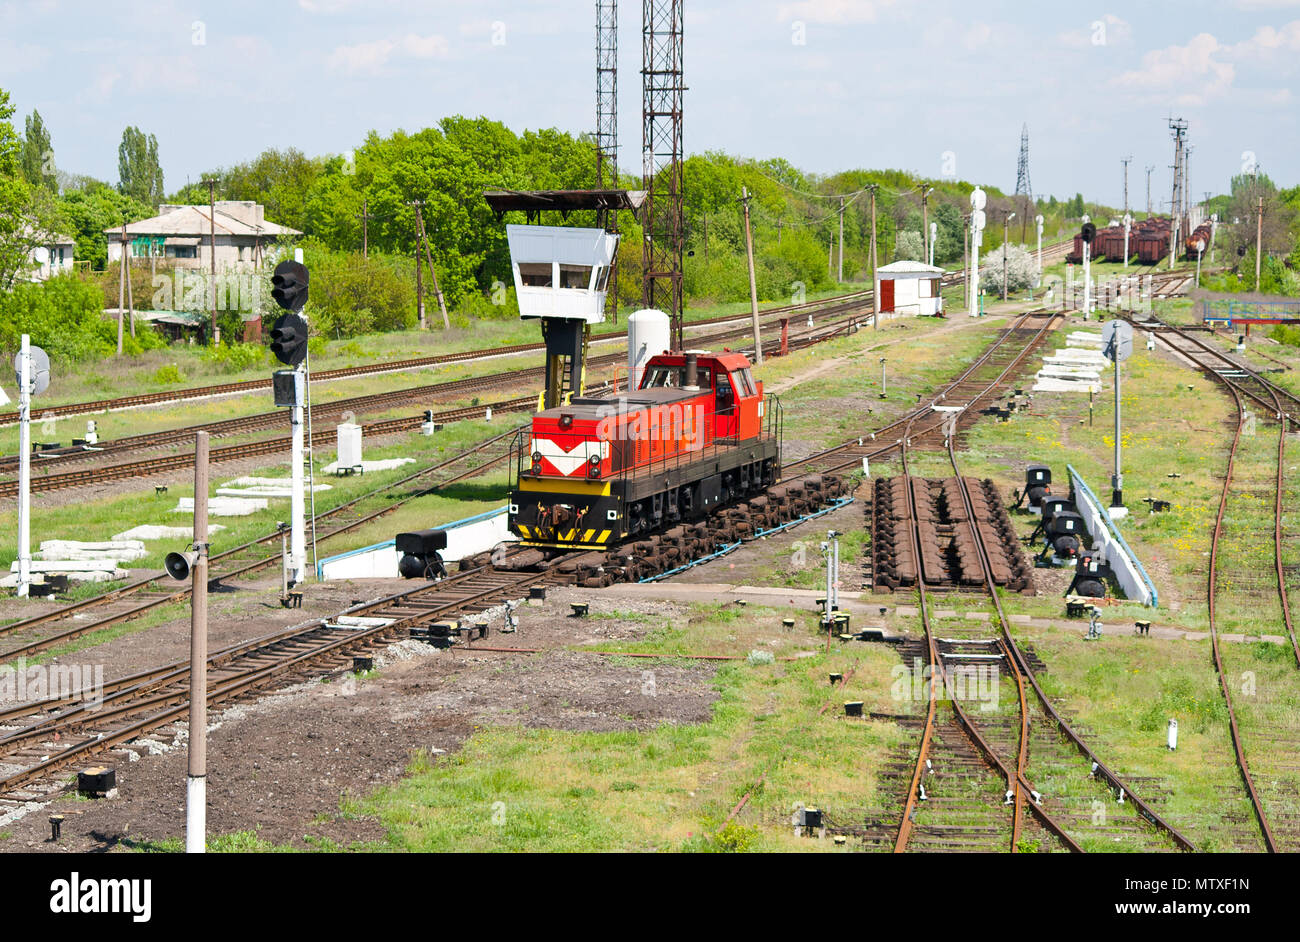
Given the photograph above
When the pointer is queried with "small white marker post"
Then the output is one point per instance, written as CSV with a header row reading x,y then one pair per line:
x,y
196,783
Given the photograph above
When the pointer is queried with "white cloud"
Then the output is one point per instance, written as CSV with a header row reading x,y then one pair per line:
x,y
1269,40
834,11
372,56
1187,75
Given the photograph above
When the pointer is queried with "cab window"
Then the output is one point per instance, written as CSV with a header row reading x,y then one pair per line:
x,y
745,382
725,397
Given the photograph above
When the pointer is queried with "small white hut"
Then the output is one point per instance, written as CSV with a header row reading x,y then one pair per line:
x,y
909,288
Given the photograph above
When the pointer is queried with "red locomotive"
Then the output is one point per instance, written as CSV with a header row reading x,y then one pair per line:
x,y
696,435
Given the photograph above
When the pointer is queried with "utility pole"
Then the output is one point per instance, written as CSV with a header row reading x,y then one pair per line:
x,y
925,220
419,285
121,288
1259,239
365,227
212,251
875,307
840,279
965,256
196,785
753,289
1149,169
428,255
1126,161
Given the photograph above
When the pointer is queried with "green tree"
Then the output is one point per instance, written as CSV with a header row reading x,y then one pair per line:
x,y
909,247
27,213
38,154
278,179
92,208
139,173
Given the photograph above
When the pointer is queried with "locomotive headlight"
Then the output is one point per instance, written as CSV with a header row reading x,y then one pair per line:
x,y
593,466
537,461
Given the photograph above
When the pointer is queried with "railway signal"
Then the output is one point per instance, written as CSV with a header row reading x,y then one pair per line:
x,y
1087,234
32,372
289,285
289,339
978,200
1117,345
289,344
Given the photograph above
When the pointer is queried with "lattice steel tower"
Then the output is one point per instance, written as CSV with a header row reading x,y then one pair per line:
x,y
661,159
606,94
1023,187
1179,128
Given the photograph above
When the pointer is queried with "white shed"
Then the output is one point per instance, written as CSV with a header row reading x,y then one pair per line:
x,y
909,288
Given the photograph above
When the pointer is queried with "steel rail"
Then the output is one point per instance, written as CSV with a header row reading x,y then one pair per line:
x,y
1273,403
1237,745
1016,780
394,366
1024,673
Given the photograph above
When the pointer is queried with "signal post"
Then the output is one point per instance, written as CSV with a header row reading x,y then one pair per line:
x,y
289,344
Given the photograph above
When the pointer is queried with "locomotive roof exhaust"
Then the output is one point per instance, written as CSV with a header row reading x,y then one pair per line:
x,y
692,378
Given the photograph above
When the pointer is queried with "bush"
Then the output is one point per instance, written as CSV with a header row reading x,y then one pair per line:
x,y
500,305
235,357
910,247
63,315
1022,270
352,295
168,375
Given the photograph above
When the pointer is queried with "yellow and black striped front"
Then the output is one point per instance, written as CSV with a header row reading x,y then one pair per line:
x,y
557,514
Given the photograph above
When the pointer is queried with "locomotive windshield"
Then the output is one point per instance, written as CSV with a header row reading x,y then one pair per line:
x,y
659,377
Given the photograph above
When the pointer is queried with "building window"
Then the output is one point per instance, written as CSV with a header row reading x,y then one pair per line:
x,y
575,276
182,251
928,287
535,274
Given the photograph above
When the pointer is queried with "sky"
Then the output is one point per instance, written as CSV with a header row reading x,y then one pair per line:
x,y
935,87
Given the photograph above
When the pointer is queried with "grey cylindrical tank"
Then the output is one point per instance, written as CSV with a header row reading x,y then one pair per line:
x,y
647,335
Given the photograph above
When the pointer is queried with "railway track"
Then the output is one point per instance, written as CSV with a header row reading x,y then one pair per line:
x,y
974,748
941,811
156,697
68,410
70,621
841,318
57,627
1248,484
47,738
975,387
120,403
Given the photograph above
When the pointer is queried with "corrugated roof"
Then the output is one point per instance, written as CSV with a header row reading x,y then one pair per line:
x,y
194,221
907,267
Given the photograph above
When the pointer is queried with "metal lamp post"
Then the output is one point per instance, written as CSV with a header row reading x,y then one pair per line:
x,y
1006,221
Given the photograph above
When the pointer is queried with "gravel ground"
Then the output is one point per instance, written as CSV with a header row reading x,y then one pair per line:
x,y
279,765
